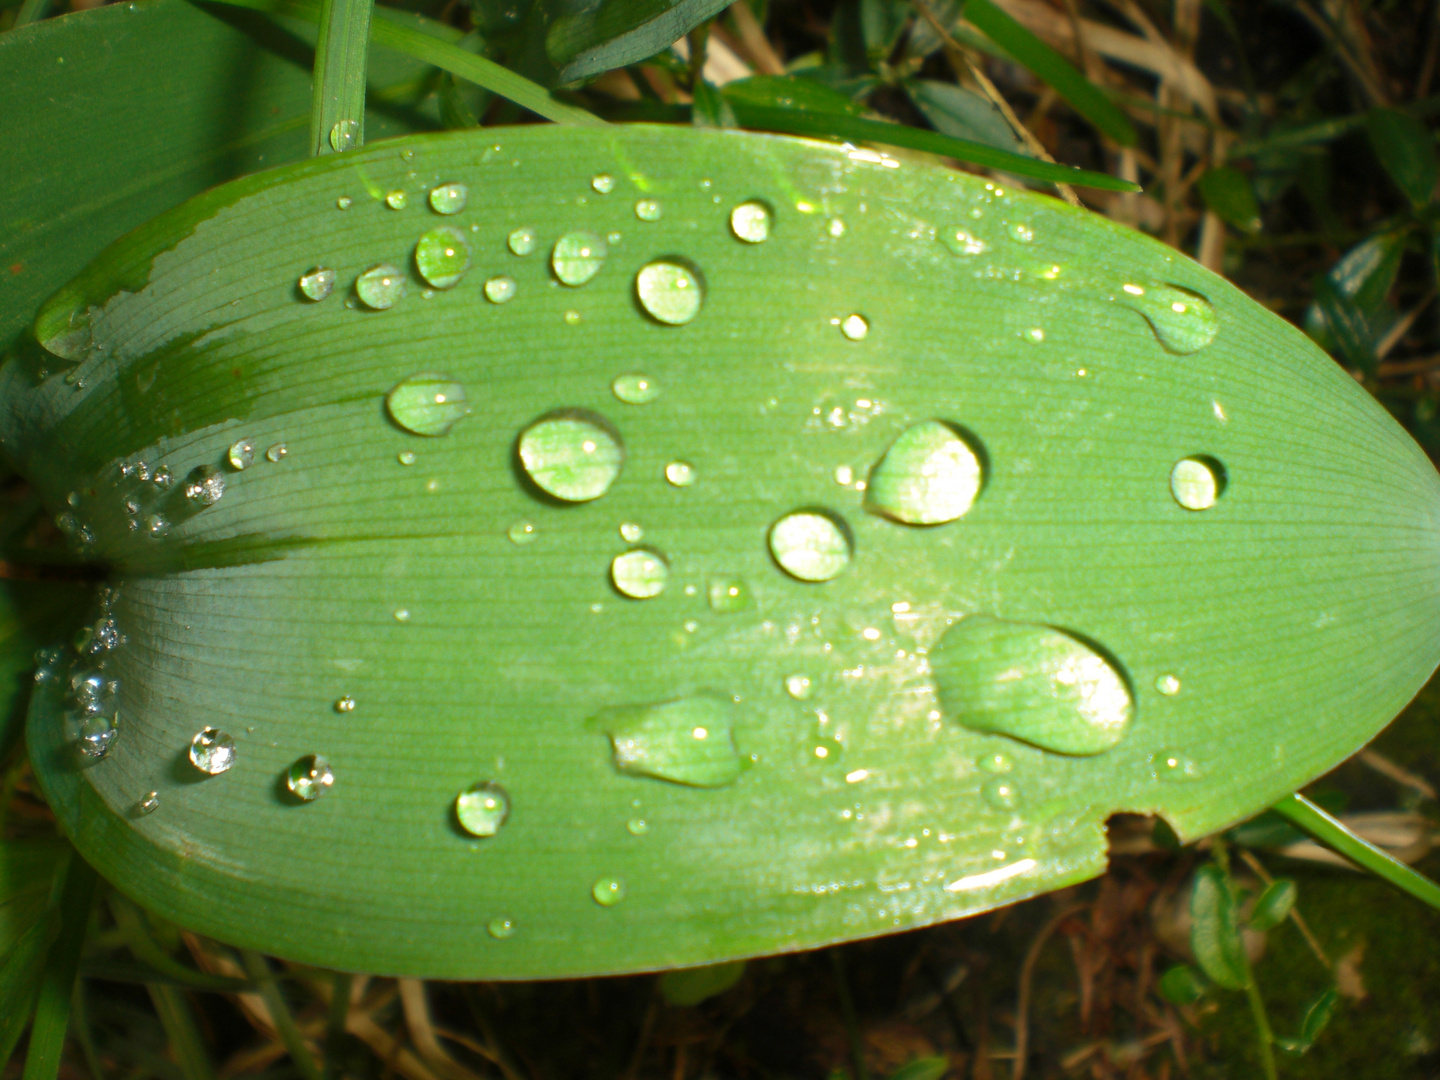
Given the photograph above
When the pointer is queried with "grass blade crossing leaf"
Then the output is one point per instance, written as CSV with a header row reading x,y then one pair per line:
x,y
615,33
337,118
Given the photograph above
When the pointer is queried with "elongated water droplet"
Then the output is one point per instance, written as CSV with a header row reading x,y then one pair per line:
x,y
750,221
396,200
811,545
522,240
572,454
635,389
1197,482
212,751
687,740
148,804
449,198
669,291
1184,322
729,594
578,257
310,777
608,891
1000,793
318,283
1168,685
648,210
241,455
930,474
427,404
501,928
604,183
380,287
442,256
205,485
680,473
500,289
482,809
343,135
640,573
1031,682
855,327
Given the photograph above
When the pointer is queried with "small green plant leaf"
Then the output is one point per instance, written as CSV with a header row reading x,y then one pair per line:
x,y
926,1068
1352,311
1406,148
790,92
614,33
1182,985
691,986
1317,1016
1215,930
964,114
1273,906
710,108
27,874
1228,192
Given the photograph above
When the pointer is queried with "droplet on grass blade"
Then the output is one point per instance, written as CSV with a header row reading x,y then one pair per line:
x,y
572,454
212,751
427,404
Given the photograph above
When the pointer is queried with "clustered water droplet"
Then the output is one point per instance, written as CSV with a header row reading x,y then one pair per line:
x,y
205,485
604,183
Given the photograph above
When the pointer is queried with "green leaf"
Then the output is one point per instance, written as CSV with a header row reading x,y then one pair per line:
x,y
57,981
337,115
32,614
1406,148
1215,930
925,1068
27,874
1317,1016
710,108
613,33
963,114
1182,985
1274,905
1122,451
1227,191
20,971
691,986
1352,310
1080,93
790,92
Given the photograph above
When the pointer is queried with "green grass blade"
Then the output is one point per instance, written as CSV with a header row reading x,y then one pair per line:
x,y
21,969
1305,815
1082,95
337,118
187,1043
31,11
622,32
57,984
259,970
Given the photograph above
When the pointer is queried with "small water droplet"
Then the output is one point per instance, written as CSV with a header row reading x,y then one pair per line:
x,y
212,751
686,740
343,135
522,240
631,532
929,475
998,762
1174,767
844,475
811,545
277,453
241,455
157,525
482,809
635,389
501,928
344,202
164,477
680,473
572,454
1197,482
750,221
608,891
799,687
1033,683
95,733
577,257
854,327
427,404
960,241
637,826
449,198
604,183
148,804
500,289
402,615
1184,322
670,291
396,200
380,287
1000,793
522,532
836,228
729,594
345,704
648,210
407,457
205,485
317,283
442,256
640,573
572,317
1168,685
310,777
1022,232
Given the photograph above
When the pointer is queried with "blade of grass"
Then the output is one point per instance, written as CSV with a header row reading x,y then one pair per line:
x,y
57,984
337,117
259,970
178,1021
154,960
1306,815
335,1025
31,11
19,975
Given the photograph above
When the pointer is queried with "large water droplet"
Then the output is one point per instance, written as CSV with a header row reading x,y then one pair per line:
x,y
608,891
1197,482
212,751
729,594
427,404
310,777
1184,322
449,198
687,740
442,256
205,485
572,454
1031,682
522,240
811,545
380,287
640,573
750,221
929,475
241,455
318,283
94,735
482,809
578,257
343,135
635,389
670,291
500,289
648,210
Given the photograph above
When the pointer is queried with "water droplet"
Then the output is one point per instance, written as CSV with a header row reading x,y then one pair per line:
x,y
148,804
1197,482
1031,682
205,485
572,454
157,525
998,762
686,740
318,283
836,228
345,705
640,573
427,404
648,210
854,327
669,291
396,200
572,317
310,777
750,221
578,257
1184,322
929,475
500,289
1000,793
449,198
631,532
637,826
961,242
241,455
402,615
343,135
164,477
1174,767
442,256
95,734
407,457
729,594
799,687
680,473
380,287
522,240
212,751
635,389
522,532
608,891
344,202
811,545
483,809
277,453
501,928
1022,232
604,183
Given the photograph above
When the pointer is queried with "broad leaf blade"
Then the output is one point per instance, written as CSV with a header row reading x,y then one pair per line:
x,y
477,625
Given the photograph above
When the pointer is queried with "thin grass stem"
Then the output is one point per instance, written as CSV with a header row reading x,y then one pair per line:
x,y
337,113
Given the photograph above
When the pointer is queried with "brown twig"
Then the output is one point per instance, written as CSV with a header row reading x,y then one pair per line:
x,y
1022,998
1382,764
